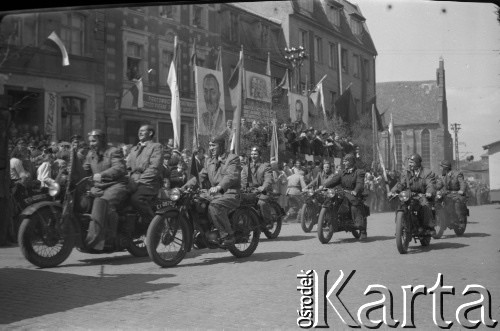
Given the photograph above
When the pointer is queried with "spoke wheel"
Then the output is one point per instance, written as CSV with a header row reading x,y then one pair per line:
x,y
42,241
308,216
459,231
166,239
246,232
277,220
325,224
403,235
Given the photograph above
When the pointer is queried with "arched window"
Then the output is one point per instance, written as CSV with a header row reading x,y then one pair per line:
x,y
426,148
398,137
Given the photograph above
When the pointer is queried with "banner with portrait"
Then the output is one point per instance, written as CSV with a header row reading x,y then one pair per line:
x,y
258,86
298,107
210,101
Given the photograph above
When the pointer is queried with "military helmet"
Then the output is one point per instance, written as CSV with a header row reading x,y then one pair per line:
x,y
255,149
97,132
349,157
416,158
445,164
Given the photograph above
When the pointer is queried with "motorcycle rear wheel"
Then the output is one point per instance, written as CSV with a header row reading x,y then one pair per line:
x,y
403,235
325,224
277,217
245,225
308,216
166,239
42,241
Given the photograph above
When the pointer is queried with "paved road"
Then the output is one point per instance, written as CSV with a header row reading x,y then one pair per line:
x,y
213,290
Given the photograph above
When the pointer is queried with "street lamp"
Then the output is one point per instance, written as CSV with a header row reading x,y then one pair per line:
x,y
296,56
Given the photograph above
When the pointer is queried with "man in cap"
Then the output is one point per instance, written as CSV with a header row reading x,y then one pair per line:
x,y
223,171
259,175
145,164
418,180
353,180
453,181
324,176
108,170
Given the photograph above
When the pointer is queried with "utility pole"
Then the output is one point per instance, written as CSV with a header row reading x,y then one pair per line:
x,y
455,127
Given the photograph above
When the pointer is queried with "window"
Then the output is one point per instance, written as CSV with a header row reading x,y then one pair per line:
x,y
303,38
167,12
356,27
134,58
264,36
73,33
198,17
25,30
72,111
334,16
332,56
333,98
318,49
366,69
398,137
165,60
355,65
426,148
303,89
345,60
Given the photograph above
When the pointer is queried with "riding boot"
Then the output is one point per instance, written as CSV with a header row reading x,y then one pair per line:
x,y
97,228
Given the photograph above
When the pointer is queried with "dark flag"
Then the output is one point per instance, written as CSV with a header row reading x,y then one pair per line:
x,y
369,104
194,170
345,107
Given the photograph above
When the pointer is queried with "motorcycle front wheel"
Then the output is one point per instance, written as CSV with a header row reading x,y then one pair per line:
x,y
440,224
308,216
325,224
460,231
246,232
277,217
166,239
403,233
43,241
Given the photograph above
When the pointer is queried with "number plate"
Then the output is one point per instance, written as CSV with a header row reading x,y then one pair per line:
x,y
163,204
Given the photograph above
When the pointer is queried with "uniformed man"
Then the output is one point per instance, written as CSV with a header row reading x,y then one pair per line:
x,y
145,164
108,170
353,180
259,174
418,180
223,171
453,180
322,177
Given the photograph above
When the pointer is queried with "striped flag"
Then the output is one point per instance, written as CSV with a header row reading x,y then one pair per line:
x,y
393,142
317,96
236,91
55,38
175,107
274,144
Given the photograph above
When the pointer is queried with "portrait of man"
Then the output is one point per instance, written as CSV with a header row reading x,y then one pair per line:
x,y
212,119
298,111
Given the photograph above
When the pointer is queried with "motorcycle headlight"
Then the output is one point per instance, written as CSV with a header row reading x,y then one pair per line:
x,y
439,195
54,187
330,193
310,193
404,196
174,194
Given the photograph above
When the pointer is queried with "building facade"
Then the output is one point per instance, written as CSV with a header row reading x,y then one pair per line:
x,y
420,117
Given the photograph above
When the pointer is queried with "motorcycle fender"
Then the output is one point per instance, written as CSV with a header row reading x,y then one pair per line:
x,y
165,210
179,213
31,209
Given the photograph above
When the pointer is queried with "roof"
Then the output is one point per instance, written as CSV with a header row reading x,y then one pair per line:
x,y
409,102
250,9
491,145
348,9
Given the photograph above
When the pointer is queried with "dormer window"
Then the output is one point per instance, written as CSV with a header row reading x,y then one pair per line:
x,y
356,23
334,15
307,5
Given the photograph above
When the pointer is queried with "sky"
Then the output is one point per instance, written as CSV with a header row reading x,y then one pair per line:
x,y
411,35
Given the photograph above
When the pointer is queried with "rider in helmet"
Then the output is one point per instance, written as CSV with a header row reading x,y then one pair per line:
x,y
259,174
223,171
353,180
418,180
107,167
453,180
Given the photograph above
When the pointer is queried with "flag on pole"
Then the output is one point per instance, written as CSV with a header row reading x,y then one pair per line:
x,y
137,91
284,84
193,58
236,91
268,68
274,144
317,96
55,38
175,107
393,142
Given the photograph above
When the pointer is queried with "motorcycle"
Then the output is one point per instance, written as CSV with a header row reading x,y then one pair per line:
x,y
335,215
309,212
184,223
446,216
408,217
272,230
51,230
22,198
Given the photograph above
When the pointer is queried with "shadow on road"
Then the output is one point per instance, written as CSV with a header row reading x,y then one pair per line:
x,y
469,222
435,246
367,240
260,257
289,238
28,293
109,260
475,235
